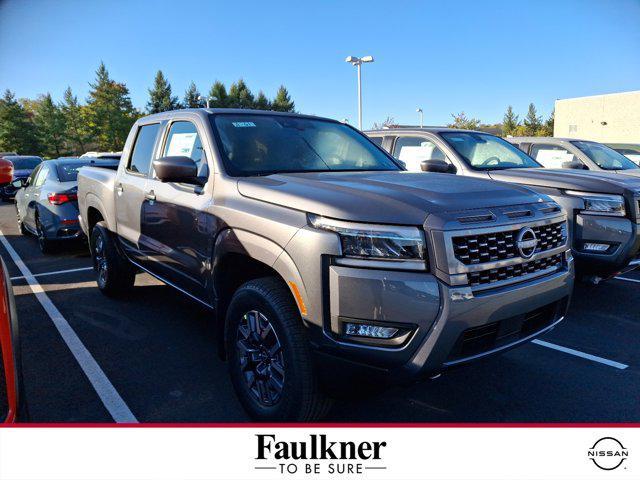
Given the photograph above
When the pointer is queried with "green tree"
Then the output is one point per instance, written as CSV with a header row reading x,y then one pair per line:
x,y
218,95
546,130
532,122
262,102
110,112
51,128
160,98
510,122
240,96
461,121
77,133
192,97
283,102
17,131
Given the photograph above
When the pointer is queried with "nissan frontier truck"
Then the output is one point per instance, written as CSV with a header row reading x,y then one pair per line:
x,y
603,208
319,256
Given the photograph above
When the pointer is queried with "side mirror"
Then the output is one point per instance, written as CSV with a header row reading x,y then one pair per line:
x,y
19,183
6,172
437,166
177,169
574,165
12,406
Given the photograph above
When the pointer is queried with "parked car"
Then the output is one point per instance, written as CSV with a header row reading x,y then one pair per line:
x,y
8,154
12,402
23,165
575,154
603,207
629,150
46,202
320,255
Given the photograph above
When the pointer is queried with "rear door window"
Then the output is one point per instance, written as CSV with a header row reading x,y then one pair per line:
x,y
552,156
140,159
42,176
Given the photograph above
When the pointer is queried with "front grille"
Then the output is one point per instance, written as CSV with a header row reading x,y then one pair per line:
x,y
493,275
489,247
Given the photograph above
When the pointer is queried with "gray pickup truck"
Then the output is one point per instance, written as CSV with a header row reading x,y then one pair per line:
x,y
603,207
319,256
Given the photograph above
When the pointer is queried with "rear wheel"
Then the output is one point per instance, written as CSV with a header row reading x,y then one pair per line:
x,y
269,356
46,245
115,274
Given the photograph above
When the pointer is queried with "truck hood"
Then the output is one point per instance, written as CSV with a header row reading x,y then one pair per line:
x,y
563,179
635,172
383,197
22,173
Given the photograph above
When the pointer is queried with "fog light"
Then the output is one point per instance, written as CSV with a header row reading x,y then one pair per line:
x,y
595,247
372,331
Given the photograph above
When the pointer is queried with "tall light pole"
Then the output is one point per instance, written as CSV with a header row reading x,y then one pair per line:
x,y
357,62
419,110
207,99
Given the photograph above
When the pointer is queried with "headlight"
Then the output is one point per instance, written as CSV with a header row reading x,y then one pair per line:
x,y
375,242
601,204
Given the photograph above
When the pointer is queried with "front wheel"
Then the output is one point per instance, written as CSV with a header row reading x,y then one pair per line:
x,y
115,274
269,357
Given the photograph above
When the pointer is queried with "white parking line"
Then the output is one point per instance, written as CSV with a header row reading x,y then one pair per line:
x,y
54,273
111,399
588,356
627,279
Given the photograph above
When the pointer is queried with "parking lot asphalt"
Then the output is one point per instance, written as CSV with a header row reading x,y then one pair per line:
x,y
156,353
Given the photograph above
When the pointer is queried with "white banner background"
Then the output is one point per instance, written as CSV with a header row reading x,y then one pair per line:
x,y
230,453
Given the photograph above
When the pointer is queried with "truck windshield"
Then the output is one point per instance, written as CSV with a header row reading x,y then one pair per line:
x,y
266,144
606,158
487,152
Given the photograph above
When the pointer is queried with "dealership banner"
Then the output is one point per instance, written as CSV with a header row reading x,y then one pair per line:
x,y
320,452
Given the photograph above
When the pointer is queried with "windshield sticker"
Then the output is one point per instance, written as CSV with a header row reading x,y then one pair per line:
x,y
243,124
181,144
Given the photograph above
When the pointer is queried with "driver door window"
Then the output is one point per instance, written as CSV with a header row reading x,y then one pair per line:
x,y
183,140
551,156
413,150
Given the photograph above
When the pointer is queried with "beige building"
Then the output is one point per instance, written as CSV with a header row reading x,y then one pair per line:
x,y
612,118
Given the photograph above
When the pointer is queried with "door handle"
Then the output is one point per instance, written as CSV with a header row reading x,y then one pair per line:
x,y
151,196
119,189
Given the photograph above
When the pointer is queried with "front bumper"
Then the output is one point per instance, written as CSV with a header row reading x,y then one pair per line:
x,y
450,325
621,234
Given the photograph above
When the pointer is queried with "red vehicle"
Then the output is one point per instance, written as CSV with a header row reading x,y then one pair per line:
x,y
11,404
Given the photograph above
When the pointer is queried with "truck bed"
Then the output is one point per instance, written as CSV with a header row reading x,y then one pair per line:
x,y
96,186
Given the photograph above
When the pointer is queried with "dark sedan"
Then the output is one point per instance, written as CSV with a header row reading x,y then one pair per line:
x,y
23,166
47,201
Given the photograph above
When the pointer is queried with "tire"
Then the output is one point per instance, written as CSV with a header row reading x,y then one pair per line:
x,y
46,245
21,226
280,386
115,274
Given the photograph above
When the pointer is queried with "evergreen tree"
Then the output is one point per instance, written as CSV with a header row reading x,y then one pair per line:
x,y
218,95
51,128
192,97
78,136
160,98
17,131
240,96
110,112
546,130
460,120
510,122
283,102
532,122
262,102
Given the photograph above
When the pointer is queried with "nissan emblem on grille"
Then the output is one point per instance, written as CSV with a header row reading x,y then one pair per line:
x,y
526,242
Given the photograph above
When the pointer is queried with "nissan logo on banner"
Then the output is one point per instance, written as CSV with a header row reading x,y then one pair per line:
x,y
526,242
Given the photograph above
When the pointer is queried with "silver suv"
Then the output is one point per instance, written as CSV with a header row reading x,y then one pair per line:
x,y
319,256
